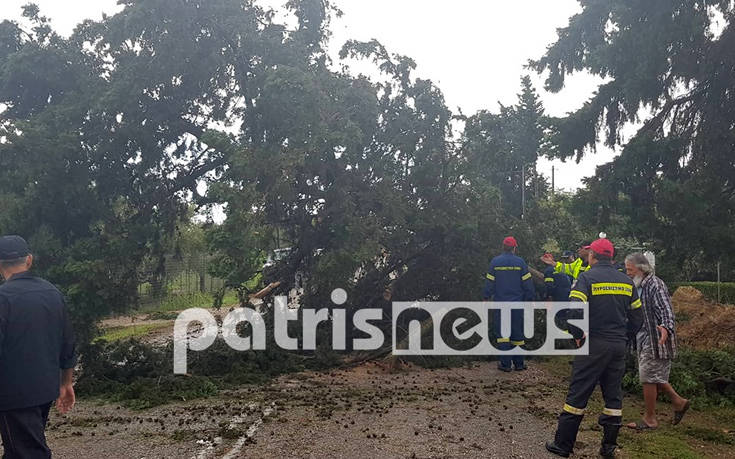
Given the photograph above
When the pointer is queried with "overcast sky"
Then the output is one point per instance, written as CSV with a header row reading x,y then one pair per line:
x,y
473,50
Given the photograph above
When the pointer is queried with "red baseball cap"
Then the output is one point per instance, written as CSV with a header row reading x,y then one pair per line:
x,y
510,241
603,247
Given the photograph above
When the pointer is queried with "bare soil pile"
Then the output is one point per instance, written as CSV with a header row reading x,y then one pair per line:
x,y
701,323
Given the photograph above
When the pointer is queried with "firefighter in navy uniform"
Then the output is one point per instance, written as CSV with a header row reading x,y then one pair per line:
x,y
614,316
558,285
508,279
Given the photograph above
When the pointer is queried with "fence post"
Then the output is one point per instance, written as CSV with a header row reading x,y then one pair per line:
x,y
718,282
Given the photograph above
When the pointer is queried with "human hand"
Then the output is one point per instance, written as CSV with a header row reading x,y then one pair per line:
x,y
548,259
663,334
66,399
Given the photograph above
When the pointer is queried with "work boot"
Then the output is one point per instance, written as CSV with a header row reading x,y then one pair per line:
x,y
609,441
555,449
566,434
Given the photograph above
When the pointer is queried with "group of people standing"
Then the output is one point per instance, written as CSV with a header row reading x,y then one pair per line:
x,y
37,356
628,304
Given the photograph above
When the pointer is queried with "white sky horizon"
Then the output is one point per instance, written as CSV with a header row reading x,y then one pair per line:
x,y
475,52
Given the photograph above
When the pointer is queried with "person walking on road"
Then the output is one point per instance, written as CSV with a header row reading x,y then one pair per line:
x,y
614,316
37,356
655,342
508,279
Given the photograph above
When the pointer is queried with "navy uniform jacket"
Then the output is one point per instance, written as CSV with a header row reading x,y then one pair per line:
x,y
615,310
558,285
36,342
508,279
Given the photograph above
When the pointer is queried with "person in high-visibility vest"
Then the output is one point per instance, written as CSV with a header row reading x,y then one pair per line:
x,y
574,268
508,279
568,256
615,315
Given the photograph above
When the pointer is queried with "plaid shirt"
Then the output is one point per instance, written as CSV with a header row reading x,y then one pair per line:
x,y
658,310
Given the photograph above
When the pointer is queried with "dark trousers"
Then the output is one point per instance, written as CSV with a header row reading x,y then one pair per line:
x,y
605,365
516,338
23,432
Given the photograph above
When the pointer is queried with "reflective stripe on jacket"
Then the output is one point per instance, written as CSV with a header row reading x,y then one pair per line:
x,y
615,312
508,279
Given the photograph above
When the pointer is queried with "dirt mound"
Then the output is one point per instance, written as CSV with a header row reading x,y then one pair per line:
x,y
688,295
703,324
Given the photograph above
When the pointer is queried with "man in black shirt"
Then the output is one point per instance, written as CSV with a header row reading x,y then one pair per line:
x,y
37,355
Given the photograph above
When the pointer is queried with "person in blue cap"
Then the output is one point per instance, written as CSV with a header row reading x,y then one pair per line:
x,y
37,356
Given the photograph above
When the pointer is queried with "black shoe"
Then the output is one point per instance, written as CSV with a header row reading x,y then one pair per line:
x,y
608,451
552,448
524,367
505,369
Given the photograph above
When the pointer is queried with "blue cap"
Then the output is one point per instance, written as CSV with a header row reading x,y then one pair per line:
x,y
13,247
567,254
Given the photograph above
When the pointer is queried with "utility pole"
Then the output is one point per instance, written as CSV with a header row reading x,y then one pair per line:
x,y
523,191
718,282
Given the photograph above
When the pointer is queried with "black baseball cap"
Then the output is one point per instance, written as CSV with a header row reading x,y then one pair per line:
x,y
567,254
13,247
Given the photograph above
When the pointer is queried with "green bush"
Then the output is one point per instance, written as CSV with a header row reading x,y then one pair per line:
x,y
709,290
694,374
140,375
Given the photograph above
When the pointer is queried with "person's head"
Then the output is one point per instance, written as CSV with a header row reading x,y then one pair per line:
x,y
15,256
584,250
509,244
637,267
599,250
567,256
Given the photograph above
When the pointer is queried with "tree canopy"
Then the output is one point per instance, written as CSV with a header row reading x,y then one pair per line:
x,y
669,64
112,138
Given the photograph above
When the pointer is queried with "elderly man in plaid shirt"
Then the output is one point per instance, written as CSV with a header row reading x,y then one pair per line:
x,y
656,341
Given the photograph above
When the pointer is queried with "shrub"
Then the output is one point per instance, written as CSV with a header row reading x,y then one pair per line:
x,y
706,376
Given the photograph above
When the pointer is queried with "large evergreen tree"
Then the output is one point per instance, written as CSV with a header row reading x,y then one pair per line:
x,y
674,182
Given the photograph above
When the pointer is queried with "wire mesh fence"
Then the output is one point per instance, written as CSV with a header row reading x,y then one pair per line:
x,y
180,279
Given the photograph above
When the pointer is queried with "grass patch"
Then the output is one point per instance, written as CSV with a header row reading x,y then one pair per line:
x,y
133,331
659,443
557,366
162,315
186,301
710,435
179,302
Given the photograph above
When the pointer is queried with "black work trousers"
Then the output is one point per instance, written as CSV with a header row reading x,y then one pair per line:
x,y
605,365
24,432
